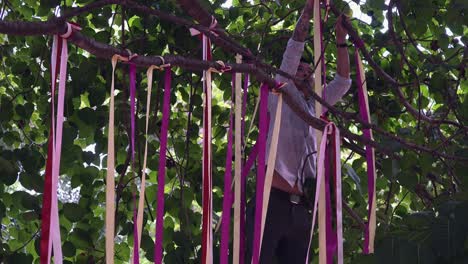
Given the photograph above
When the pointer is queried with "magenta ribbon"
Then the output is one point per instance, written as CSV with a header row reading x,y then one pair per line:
x,y
331,233
132,71
136,255
132,108
369,156
227,199
158,250
262,135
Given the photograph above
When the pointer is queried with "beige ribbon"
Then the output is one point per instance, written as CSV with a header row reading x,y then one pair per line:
x,y
318,111
141,201
237,164
110,184
110,176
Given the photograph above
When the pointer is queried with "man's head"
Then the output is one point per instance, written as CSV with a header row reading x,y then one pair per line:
x,y
304,71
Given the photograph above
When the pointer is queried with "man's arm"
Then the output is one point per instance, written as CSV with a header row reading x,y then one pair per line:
x,y
292,56
342,63
302,26
293,53
337,88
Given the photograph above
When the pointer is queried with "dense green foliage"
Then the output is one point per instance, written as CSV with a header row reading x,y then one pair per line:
x,y
422,200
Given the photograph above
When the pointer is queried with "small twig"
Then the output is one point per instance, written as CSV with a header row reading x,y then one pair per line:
x,y
394,209
389,195
354,215
27,242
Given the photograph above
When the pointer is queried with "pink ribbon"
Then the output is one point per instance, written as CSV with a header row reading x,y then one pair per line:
x,y
51,235
158,249
207,233
136,255
365,115
243,177
47,203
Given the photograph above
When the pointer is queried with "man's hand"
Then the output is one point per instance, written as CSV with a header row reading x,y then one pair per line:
x,y
341,32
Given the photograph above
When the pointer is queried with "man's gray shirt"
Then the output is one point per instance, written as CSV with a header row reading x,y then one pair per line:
x,y
296,138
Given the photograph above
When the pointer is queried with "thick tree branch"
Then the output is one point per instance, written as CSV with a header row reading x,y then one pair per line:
x,y
194,8
106,51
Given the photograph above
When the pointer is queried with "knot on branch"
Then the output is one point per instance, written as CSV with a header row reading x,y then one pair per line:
x,y
70,27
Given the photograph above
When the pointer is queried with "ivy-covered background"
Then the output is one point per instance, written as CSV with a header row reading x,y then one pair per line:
x,y
422,196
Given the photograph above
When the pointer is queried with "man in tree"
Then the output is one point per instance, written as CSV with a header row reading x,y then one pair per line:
x,y
288,223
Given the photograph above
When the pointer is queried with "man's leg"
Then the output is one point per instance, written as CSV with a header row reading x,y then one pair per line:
x,y
293,248
276,225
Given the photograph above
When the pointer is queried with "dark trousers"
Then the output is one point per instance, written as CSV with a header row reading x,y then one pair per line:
x,y
287,230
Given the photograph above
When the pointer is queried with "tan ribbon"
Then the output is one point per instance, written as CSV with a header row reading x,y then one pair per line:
x,y
237,164
110,176
110,184
318,111
141,201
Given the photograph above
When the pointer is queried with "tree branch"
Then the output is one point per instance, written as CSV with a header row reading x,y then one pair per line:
x,y
400,49
106,51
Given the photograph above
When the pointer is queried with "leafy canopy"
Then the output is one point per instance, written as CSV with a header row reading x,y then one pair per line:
x,y
421,199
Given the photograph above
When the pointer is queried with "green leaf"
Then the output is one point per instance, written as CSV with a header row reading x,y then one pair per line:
x,y
8,172
19,258
68,249
73,212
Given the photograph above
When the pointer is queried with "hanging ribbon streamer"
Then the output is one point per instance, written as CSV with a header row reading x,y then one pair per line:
x,y
239,128
110,174
271,162
262,135
50,221
158,249
338,195
207,232
318,109
54,221
141,201
46,204
132,71
226,215
322,61
243,200
110,184
330,129
370,156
